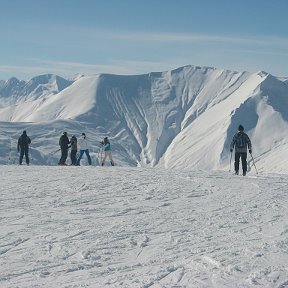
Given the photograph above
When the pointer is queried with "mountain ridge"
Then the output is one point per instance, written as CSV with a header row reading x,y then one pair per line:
x,y
14,89
171,118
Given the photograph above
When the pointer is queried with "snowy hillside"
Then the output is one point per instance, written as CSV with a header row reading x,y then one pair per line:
x,y
184,118
99,227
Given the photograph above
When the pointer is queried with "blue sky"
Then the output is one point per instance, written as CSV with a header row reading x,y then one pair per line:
x,y
134,37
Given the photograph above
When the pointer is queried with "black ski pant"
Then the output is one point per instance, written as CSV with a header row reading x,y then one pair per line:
x,y
73,157
64,154
243,156
23,152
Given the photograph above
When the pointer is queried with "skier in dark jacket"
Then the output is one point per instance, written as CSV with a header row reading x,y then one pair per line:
x,y
63,143
23,147
241,141
73,142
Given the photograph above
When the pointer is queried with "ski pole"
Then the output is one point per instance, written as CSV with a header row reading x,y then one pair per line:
x,y
230,161
10,152
254,163
100,153
55,151
30,153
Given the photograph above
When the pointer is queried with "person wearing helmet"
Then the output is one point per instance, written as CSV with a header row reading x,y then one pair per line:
x,y
83,147
107,151
64,146
73,152
23,147
240,142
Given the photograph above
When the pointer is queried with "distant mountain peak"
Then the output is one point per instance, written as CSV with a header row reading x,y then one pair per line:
x,y
12,81
262,73
76,77
14,90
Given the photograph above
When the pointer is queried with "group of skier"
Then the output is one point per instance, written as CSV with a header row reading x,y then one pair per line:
x,y
83,146
240,142
65,143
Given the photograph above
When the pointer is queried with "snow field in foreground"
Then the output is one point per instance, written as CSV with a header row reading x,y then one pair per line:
x,y
135,227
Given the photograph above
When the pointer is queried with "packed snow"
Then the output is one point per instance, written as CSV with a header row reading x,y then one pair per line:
x,y
92,226
170,213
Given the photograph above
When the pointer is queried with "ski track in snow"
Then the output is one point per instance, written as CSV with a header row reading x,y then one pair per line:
x,y
136,227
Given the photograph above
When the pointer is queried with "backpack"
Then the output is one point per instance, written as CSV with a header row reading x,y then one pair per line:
x,y
240,140
73,143
24,141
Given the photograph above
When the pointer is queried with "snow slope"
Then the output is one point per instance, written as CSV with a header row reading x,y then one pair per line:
x,y
137,227
184,118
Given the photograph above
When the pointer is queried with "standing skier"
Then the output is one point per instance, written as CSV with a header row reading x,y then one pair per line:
x,y
83,146
73,142
241,141
63,143
107,151
23,147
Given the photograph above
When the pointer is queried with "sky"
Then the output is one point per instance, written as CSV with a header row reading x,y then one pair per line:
x,y
135,37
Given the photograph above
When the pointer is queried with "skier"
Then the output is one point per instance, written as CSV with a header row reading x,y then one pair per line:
x,y
107,151
83,146
241,141
63,143
73,145
23,147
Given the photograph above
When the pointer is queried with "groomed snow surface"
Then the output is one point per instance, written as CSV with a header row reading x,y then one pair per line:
x,y
137,227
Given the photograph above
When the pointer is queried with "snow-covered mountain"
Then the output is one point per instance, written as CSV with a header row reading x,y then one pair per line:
x,y
14,90
184,118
